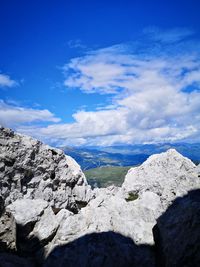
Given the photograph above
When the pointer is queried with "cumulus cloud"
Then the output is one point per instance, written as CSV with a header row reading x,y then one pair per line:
x,y
13,116
6,81
154,94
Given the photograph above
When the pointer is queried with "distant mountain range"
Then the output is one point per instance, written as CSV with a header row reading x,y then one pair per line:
x,y
128,155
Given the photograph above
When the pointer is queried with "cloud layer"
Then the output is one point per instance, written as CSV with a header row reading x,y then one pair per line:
x,y
153,87
13,116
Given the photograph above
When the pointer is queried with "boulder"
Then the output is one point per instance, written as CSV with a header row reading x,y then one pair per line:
x,y
36,224
169,175
30,169
27,211
46,227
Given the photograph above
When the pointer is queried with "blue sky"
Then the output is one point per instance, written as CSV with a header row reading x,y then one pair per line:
x,y
101,72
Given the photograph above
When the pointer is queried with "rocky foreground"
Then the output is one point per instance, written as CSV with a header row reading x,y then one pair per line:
x,y
49,216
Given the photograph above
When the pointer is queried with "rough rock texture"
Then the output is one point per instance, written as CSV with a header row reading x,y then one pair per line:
x,y
46,227
2,205
7,231
134,219
40,185
27,211
81,234
30,169
169,175
177,233
36,223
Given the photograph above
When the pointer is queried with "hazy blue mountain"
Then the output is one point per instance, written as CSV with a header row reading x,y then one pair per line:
x,y
91,158
128,155
191,151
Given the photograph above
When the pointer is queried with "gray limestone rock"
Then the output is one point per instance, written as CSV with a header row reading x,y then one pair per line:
x,y
27,211
7,232
7,229
30,169
36,225
46,227
169,175
113,221
40,185
134,219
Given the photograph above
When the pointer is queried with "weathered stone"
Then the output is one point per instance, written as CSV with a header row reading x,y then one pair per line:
x,y
130,212
114,226
112,213
27,211
46,227
62,215
108,213
169,175
30,169
7,232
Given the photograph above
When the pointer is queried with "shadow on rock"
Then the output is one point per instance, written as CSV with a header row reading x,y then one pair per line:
x,y
28,254
177,233
104,249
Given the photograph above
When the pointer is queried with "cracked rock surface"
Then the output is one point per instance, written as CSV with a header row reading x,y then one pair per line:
x,y
32,170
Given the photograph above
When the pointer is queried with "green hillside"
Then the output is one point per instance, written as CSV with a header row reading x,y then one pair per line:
x,y
106,175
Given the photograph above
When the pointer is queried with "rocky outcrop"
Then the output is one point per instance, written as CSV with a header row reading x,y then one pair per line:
x,y
32,170
169,175
27,211
36,224
7,229
134,219
57,216
40,230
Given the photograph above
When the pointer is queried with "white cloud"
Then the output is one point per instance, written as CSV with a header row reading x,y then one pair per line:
x,y
6,81
153,116
13,116
155,97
